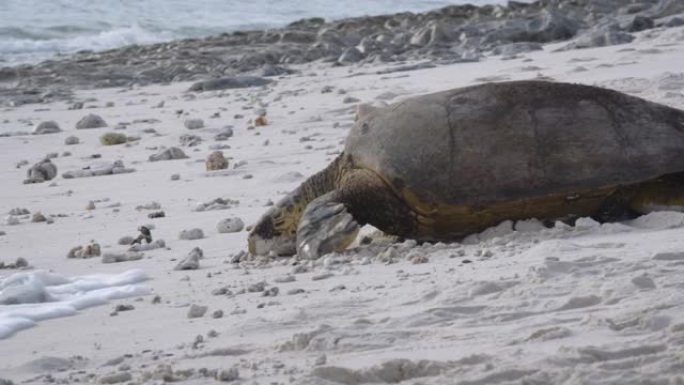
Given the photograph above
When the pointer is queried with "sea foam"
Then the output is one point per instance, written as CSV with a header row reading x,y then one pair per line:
x,y
30,297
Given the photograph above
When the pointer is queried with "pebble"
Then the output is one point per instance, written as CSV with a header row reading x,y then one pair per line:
x,y
322,276
256,287
191,261
191,234
38,217
229,375
194,124
216,161
197,311
285,279
217,314
230,225
116,378
71,140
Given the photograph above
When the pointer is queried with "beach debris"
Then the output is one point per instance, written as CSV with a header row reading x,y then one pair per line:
x,y
230,225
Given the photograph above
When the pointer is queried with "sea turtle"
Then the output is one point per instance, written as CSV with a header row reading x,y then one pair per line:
x,y
441,166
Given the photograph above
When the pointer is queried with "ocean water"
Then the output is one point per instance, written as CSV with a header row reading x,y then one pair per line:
x,y
34,30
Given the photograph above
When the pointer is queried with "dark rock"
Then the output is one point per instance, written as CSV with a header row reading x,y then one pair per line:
x,y
641,23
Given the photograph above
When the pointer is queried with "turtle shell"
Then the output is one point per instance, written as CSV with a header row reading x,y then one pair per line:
x,y
500,142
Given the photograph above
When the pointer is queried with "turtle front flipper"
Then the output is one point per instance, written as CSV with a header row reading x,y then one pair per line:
x,y
331,222
325,227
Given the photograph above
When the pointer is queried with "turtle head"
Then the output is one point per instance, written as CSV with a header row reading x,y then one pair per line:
x,y
276,231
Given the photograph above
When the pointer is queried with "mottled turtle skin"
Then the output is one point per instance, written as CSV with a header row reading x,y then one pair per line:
x,y
444,165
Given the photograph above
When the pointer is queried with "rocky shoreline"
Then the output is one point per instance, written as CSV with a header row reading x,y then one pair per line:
x,y
445,36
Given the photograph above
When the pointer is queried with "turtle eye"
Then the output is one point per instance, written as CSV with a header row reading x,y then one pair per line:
x,y
364,127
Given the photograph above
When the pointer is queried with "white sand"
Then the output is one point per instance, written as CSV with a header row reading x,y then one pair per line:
x,y
586,305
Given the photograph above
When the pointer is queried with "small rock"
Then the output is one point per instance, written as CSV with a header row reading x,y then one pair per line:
x,y
71,140
270,292
194,124
256,287
197,311
175,177
230,225
21,263
189,140
322,276
113,138
122,257
191,261
216,161
90,250
350,99
260,121
217,314
19,211
90,121
168,154
124,307
48,127
116,378
229,375
40,172
38,217
90,206
191,234
418,259
226,133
